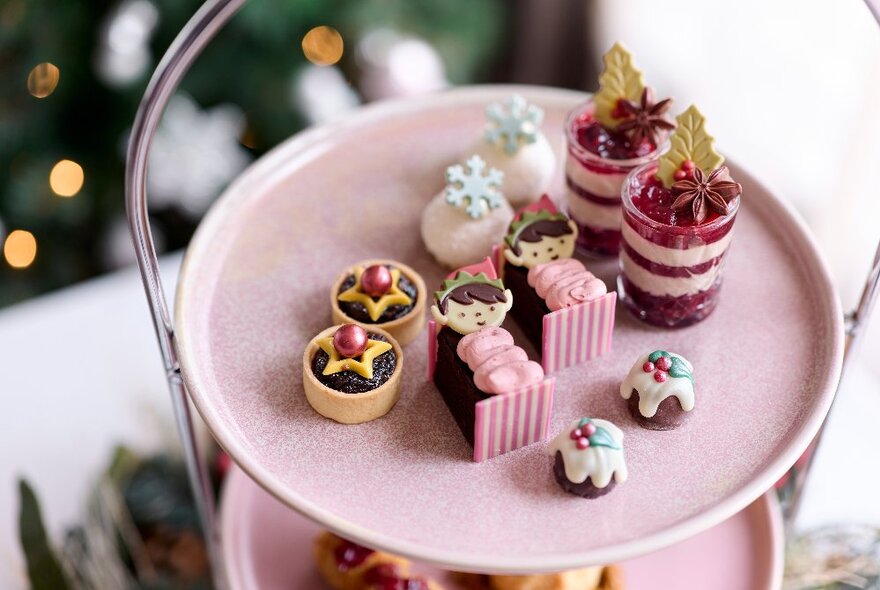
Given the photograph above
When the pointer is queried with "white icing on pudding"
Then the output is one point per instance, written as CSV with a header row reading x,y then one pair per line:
x,y
664,286
690,256
593,214
599,463
528,173
599,183
454,238
652,392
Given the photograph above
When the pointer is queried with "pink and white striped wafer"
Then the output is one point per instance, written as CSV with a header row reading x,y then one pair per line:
x,y
510,421
576,334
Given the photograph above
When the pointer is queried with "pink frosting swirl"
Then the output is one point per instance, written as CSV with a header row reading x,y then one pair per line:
x,y
564,283
498,364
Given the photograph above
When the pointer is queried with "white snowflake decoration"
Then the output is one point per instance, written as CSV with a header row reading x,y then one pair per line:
x,y
516,125
480,192
195,153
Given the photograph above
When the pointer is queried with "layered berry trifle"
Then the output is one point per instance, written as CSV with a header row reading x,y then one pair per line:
x,y
678,216
619,129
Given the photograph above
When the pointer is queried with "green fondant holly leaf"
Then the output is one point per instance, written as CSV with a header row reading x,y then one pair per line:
x,y
602,438
689,141
680,370
619,80
657,354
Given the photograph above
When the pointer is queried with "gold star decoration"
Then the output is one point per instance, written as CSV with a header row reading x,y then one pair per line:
x,y
376,307
363,367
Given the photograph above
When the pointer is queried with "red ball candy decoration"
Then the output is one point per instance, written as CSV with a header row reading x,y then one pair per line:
x,y
679,174
350,340
376,280
648,367
661,376
583,443
664,363
688,165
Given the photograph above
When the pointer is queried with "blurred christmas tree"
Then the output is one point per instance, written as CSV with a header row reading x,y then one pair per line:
x,y
75,71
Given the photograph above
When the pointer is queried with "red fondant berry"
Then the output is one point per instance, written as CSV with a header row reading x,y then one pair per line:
x,y
664,363
660,376
688,165
648,367
589,429
576,434
583,442
679,175
350,340
376,280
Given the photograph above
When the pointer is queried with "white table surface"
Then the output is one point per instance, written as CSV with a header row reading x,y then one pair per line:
x,y
81,372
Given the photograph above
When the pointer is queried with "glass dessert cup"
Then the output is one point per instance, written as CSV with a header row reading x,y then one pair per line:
x,y
670,275
593,181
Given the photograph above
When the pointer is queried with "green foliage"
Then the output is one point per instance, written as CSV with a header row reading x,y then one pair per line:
x,y
44,569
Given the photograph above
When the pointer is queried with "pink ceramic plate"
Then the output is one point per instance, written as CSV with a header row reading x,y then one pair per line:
x,y
254,290
269,547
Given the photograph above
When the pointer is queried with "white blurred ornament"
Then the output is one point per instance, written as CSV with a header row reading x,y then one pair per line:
x,y
117,249
393,64
123,52
195,154
322,94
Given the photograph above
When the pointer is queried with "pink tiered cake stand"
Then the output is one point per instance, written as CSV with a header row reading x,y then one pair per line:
x,y
252,291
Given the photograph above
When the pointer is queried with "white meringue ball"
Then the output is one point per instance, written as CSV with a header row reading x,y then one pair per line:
x,y
527,174
455,239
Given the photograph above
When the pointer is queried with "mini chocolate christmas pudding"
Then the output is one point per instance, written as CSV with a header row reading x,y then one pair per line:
x,y
563,309
590,578
659,390
481,374
513,143
588,457
352,374
383,293
464,221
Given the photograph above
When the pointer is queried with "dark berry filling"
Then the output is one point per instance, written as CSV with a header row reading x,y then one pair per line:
x,y
387,577
351,382
607,143
350,555
358,312
604,242
667,311
655,201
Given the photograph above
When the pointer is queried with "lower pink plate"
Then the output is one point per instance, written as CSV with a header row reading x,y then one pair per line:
x,y
254,289
267,546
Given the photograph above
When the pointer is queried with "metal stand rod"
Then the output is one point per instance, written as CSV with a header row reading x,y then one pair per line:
x,y
203,26
186,47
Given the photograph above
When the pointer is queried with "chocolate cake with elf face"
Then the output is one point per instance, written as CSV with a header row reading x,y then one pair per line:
x,y
539,268
476,358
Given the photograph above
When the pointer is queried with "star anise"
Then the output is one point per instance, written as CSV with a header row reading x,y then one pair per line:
x,y
645,120
700,193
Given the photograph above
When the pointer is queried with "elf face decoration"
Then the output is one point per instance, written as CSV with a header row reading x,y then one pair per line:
x,y
540,235
470,302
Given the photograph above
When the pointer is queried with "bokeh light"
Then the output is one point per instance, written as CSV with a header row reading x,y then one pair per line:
x,y
43,79
20,248
66,178
323,46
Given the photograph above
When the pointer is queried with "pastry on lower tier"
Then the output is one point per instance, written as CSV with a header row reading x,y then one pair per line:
x,y
464,221
514,144
562,308
591,578
659,390
344,564
588,457
352,374
383,293
478,369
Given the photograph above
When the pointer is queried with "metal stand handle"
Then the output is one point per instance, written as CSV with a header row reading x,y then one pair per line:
x,y
187,46
203,26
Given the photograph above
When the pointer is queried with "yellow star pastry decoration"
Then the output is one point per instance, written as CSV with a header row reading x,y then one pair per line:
x,y
376,307
363,367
